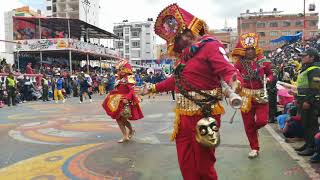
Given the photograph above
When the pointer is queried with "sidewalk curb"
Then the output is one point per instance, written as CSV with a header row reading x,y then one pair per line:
x,y
300,160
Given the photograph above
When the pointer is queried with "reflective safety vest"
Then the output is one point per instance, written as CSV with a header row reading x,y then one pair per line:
x,y
45,82
303,81
11,82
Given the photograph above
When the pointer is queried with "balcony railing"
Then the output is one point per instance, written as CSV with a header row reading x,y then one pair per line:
x,y
64,44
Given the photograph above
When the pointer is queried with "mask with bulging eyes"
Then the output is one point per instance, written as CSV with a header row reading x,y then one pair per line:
x,y
207,132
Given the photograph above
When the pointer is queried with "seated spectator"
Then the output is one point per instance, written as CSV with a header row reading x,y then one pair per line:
x,y
281,119
293,129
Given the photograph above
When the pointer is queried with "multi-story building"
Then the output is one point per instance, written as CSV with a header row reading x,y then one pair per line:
x,y
272,25
85,10
8,25
227,36
161,51
138,41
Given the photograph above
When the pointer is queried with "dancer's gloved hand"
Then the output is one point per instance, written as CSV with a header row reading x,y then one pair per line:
x,y
145,90
235,84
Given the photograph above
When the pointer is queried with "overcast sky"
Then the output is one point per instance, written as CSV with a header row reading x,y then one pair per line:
x,y
214,12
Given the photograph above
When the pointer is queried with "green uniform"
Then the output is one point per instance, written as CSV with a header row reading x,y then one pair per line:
x,y
308,85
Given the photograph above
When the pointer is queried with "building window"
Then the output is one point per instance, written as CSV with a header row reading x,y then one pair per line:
x,y
245,25
135,34
127,49
135,44
273,33
126,39
262,43
120,44
54,8
313,33
126,30
313,23
147,33
286,23
135,54
299,23
286,33
147,26
127,56
261,25
272,43
274,24
48,8
262,34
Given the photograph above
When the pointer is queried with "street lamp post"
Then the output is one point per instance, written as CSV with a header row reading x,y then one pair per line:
x,y
86,5
304,20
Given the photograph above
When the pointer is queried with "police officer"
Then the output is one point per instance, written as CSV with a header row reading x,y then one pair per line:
x,y
11,86
308,85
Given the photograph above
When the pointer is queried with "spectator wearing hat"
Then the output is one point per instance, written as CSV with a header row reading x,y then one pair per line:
x,y
308,86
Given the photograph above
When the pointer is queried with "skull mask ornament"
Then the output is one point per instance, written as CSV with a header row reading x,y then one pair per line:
x,y
208,132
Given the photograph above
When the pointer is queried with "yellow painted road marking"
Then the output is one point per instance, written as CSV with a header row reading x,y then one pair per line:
x,y
40,166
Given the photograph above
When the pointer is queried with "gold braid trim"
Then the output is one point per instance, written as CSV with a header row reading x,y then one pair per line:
x,y
218,109
197,25
153,88
242,52
176,125
126,70
246,102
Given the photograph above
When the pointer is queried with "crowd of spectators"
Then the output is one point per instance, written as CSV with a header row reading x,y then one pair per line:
x,y
56,83
294,120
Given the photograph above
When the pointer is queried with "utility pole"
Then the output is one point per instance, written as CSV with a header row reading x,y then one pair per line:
x,y
304,20
86,6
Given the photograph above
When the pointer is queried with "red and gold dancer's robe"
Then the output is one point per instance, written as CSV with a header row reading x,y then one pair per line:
x,y
204,70
254,114
113,104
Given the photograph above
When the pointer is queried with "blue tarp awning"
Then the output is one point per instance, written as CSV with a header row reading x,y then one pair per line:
x,y
288,38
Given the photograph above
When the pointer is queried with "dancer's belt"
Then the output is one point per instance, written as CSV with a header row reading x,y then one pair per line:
x,y
184,104
251,92
249,95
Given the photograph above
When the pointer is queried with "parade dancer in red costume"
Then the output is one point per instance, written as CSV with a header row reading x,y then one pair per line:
x,y
256,72
203,64
121,103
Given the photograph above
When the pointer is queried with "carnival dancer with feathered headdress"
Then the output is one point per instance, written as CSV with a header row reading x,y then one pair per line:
x,y
121,103
256,72
202,65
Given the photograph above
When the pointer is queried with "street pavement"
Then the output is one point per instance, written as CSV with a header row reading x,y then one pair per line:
x,y
48,141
